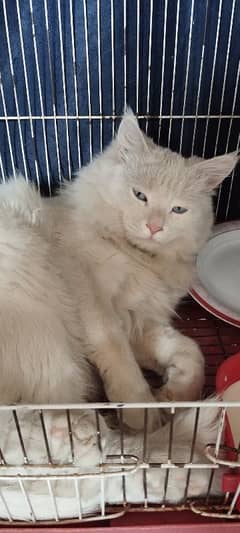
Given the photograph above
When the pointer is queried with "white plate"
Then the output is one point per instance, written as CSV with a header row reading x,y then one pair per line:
x,y
217,281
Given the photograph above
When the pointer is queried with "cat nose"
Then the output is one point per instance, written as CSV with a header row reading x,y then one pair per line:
x,y
154,227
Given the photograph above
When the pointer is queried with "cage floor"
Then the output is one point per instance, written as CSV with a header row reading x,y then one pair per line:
x,y
218,340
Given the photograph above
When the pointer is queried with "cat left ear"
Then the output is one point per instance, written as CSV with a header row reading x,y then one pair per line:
x,y
211,172
130,137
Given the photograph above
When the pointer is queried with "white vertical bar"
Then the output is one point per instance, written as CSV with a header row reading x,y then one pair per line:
x,y
2,169
14,87
234,500
125,54
76,485
149,61
7,128
27,90
187,73
102,495
225,74
223,93
53,500
64,86
200,79
40,93
27,500
6,506
113,68
75,79
231,184
100,448
163,67
137,58
174,71
220,431
53,91
213,74
100,72
233,106
88,79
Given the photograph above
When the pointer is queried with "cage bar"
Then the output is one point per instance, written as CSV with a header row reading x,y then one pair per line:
x,y
71,442
200,77
27,91
19,433
169,460
213,74
76,95
174,72
187,74
9,516
100,75
163,68
53,500
192,451
76,485
54,116
27,499
144,457
45,436
64,86
88,79
149,61
137,54
40,94
14,86
113,69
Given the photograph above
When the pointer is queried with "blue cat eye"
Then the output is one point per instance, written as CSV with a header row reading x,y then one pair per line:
x,y
140,195
179,210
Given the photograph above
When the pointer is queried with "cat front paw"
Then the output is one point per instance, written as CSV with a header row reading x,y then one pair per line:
x,y
171,393
139,418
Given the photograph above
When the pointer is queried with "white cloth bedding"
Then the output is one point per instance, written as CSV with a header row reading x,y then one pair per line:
x,y
82,496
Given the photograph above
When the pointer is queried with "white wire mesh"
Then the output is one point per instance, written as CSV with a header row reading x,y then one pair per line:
x,y
45,471
89,60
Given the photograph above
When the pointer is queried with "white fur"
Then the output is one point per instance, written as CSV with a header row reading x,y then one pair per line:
x,y
85,276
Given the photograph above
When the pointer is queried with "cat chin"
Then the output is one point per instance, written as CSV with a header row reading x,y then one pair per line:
x,y
148,246
152,246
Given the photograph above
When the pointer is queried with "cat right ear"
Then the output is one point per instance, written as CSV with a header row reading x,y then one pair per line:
x,y
130,138
211,172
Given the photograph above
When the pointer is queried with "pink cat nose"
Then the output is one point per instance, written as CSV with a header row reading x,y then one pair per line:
x,y
154,228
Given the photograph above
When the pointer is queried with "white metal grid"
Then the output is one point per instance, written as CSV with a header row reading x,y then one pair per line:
x,y
44,476
56,117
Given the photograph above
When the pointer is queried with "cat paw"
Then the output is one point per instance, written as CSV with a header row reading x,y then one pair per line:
x,y
137,419
173,394
164,394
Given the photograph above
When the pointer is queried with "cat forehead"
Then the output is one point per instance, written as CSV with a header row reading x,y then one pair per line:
x,y
161,171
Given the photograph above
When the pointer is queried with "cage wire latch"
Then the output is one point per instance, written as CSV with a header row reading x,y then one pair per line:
x,y
223,511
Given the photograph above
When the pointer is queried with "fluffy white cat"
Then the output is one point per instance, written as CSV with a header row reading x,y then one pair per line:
x,y
92,277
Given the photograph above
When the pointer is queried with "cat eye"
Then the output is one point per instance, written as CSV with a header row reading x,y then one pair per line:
x,y
179,210
140,195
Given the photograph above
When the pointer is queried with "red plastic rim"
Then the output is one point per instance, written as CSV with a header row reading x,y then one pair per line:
x,y
216,312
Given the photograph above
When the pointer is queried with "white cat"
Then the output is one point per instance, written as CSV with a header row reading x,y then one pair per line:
x,y
98,271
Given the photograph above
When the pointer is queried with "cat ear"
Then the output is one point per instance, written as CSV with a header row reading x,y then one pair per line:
x,y
211,172
130,137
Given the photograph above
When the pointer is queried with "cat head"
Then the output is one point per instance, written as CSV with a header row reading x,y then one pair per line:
x,y
162,198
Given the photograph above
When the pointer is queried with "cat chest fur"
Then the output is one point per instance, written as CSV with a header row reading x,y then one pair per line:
x,y
131,280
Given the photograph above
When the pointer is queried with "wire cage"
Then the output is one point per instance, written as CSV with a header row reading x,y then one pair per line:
x,y
67,71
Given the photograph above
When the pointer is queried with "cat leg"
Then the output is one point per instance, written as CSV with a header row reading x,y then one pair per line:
x,y
123,379
166,348
107,347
